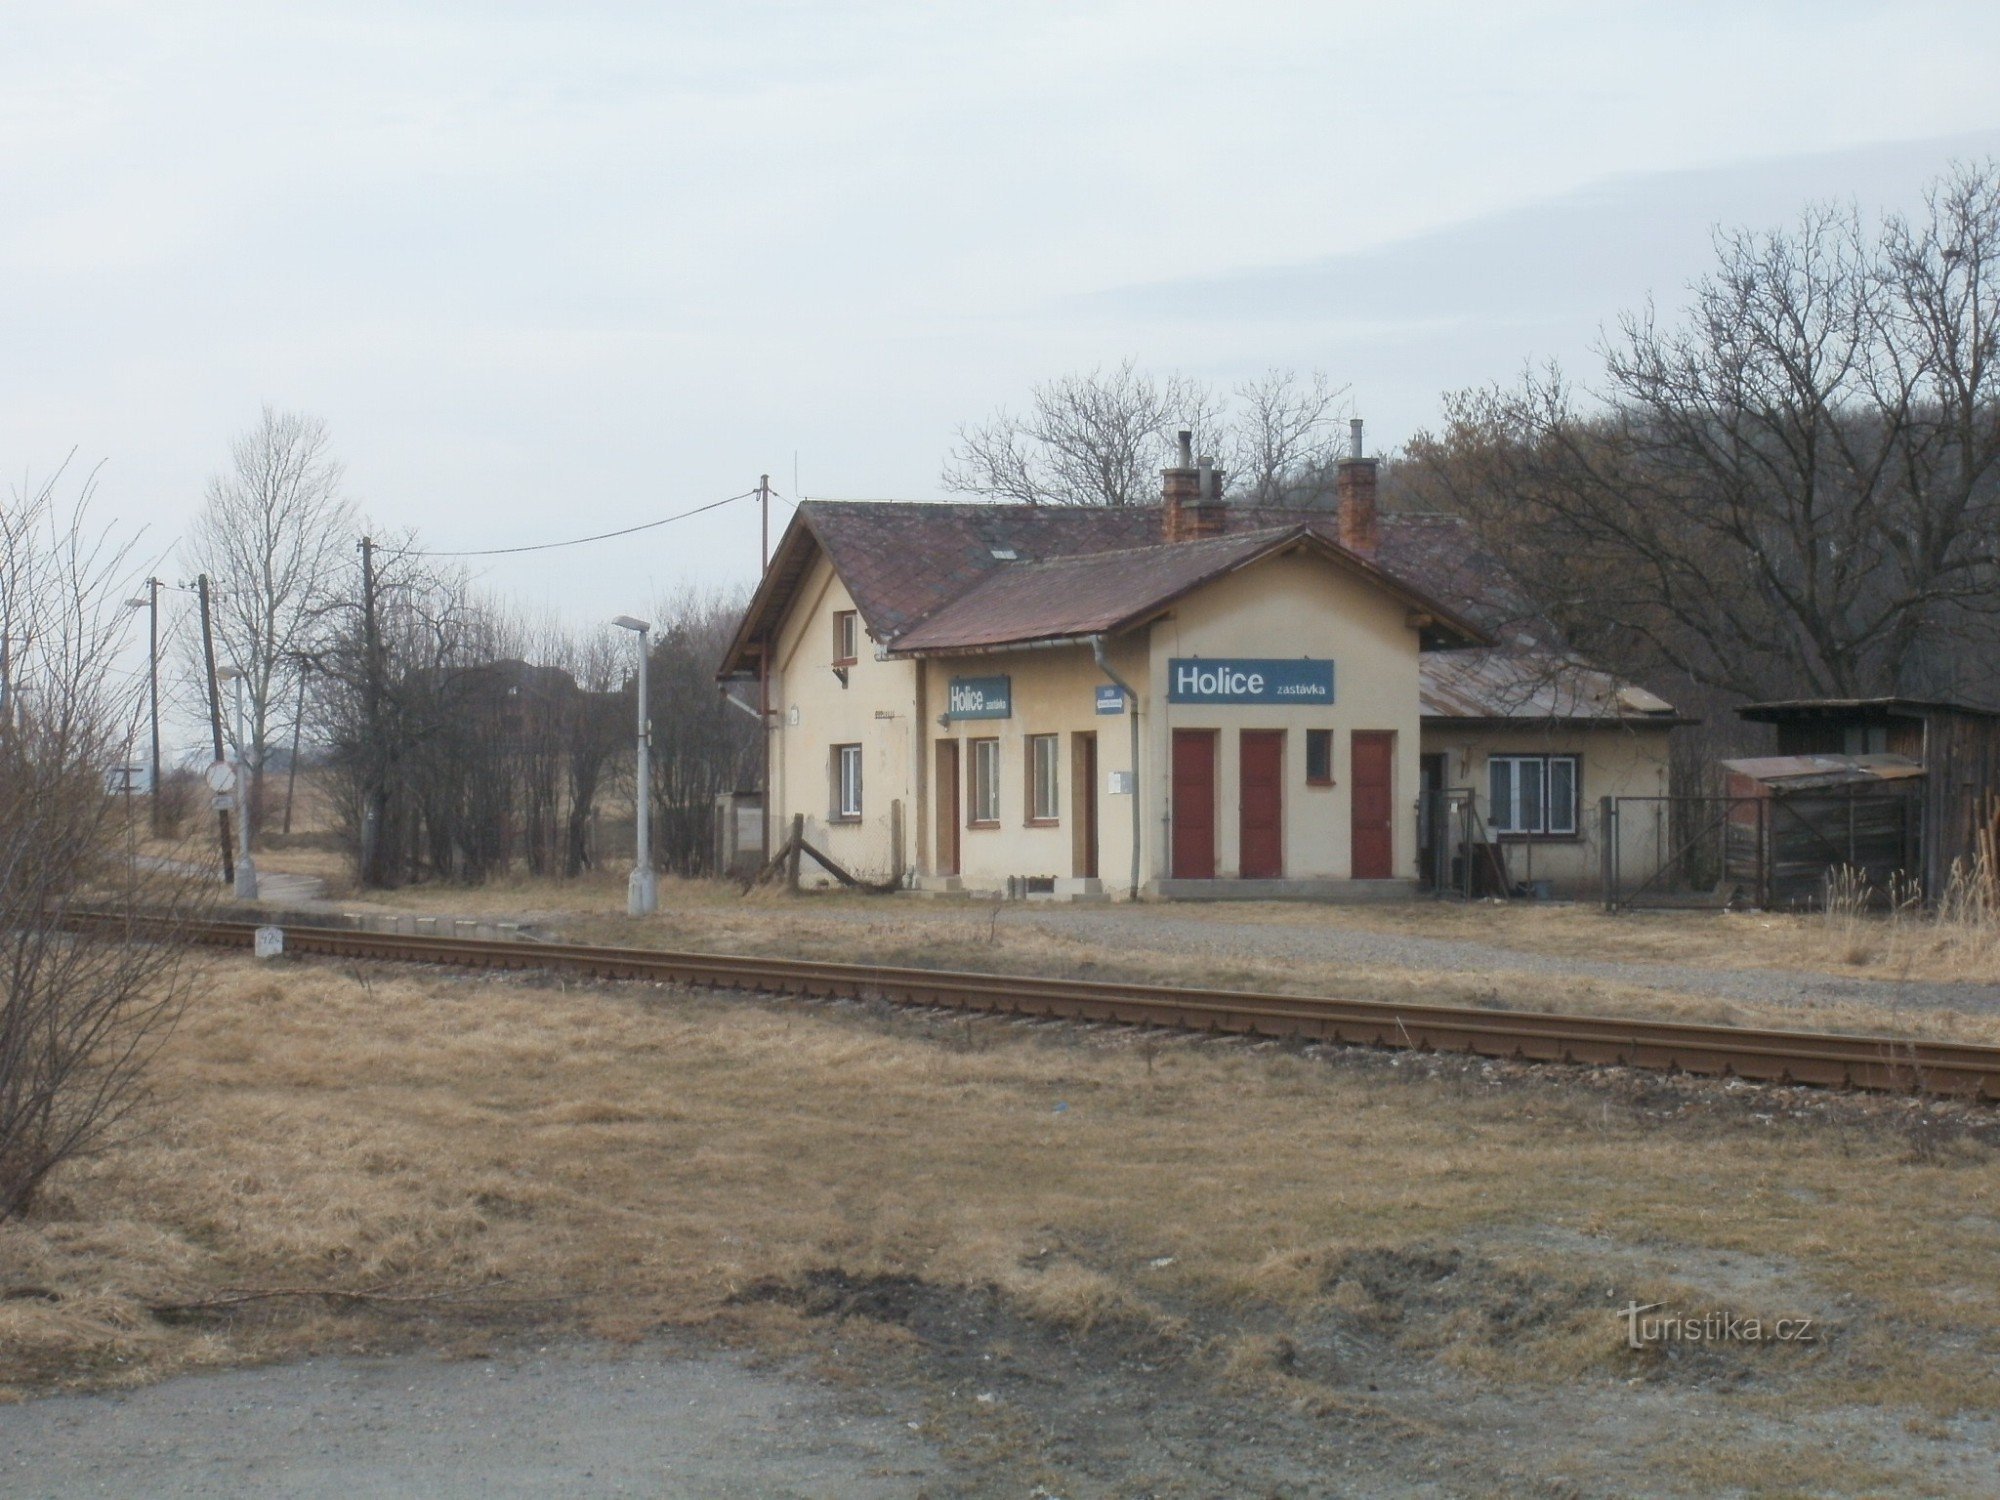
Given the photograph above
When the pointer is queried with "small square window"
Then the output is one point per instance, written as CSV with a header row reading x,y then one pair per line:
x,y
1319,757
846,637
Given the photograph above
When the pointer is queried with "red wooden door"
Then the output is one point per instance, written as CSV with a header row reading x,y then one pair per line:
x,y
1373,780
1194,804
1261,809
947,807
1083,803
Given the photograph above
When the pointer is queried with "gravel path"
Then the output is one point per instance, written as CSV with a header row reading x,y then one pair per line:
x,y
562,1422
1160,929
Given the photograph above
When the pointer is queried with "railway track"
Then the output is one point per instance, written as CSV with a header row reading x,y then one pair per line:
x,y
1828,1059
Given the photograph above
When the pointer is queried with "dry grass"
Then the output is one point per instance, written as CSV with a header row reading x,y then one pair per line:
x,y
1864,943
642,1157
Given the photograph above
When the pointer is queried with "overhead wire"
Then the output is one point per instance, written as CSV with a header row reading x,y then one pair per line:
x,y
602,536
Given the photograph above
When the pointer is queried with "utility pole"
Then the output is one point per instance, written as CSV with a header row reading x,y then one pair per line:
x,y
764,505
246,868
153,687
298,723
215,724
642,895
371,714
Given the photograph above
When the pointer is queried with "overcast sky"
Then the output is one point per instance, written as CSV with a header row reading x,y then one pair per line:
x,y
548,270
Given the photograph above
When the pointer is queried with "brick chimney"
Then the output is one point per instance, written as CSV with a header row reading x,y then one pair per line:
x,y
1191,496
1354,481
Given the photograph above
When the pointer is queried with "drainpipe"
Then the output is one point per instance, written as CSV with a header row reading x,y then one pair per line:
x,y
1132,702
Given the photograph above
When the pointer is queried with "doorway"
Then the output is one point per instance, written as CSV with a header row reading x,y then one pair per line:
x,y
1261,806
947,807
1432,861
1083,805
1373,805
1194,804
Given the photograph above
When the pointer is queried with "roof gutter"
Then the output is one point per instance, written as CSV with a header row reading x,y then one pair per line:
x,y
1132,702
1040,643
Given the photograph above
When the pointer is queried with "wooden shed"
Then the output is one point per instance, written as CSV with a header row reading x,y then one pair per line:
x,y
1794,819
1956,747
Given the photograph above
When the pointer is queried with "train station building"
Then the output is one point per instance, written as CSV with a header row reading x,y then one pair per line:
x,y
1198,698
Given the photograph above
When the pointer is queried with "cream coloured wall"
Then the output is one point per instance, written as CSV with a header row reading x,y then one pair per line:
x,y
1614,762
1053,692
1293,605
814,712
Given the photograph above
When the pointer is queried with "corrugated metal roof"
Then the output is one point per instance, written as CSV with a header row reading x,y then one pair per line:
x,y
1530,685
1796,708
1795,773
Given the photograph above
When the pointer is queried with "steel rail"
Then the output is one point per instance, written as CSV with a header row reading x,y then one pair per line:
x,y
1827,1059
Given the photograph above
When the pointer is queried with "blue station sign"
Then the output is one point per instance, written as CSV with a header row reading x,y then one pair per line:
x,y
1110,698
1229,679
981,698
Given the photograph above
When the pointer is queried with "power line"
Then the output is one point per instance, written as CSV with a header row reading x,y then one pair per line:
x,y
602,536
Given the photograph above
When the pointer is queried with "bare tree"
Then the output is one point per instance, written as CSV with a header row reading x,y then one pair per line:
x,y
1094,439
597,729
81,1012
1795,489
1284,437
1101,438
273,531
702,747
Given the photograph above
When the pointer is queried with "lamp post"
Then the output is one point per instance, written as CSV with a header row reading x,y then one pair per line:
x,y
246,871
642,892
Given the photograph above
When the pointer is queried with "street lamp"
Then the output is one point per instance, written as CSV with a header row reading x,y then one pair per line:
x,y
246,871
642,892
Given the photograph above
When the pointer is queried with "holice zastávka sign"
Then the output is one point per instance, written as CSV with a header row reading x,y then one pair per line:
x,y
1225,679
981,698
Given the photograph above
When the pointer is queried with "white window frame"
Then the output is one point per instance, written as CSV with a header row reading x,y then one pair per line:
x,y
846,636
982,803
1539,772
1044,778
847,783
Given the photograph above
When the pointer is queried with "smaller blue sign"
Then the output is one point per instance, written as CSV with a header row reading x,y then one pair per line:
x,y
1228,679
981,698
1110,698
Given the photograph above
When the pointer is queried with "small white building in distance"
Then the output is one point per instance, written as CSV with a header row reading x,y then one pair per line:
x,y
1194,699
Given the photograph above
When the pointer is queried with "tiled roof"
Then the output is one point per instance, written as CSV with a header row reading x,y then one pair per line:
x,y
1108,591
904,560
931,576
901,559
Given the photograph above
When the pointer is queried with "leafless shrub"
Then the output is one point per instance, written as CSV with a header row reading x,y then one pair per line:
x,y
81,1014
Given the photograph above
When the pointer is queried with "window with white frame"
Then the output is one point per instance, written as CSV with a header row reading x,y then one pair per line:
x,y
847,783
983,805
846,637
1531,794
1044,789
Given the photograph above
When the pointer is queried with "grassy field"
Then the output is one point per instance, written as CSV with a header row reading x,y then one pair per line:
x,y
1389,1253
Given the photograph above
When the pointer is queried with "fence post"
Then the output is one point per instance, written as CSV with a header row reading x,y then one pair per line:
x,y
792,852
1607,829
